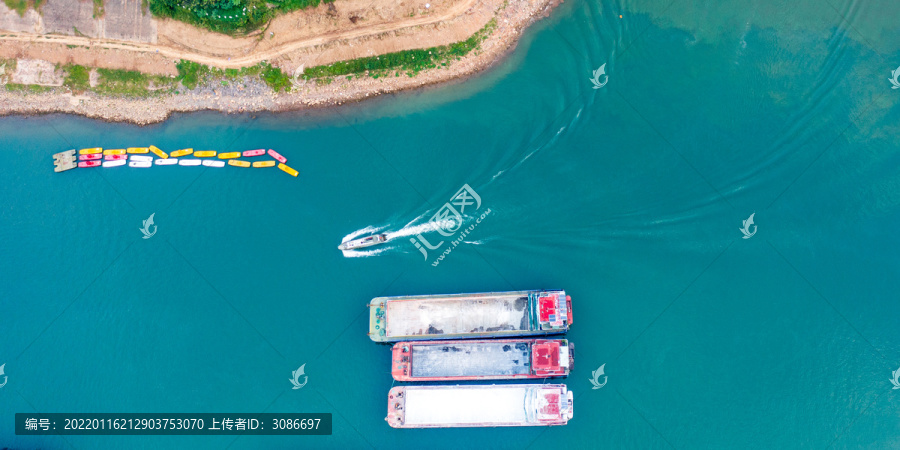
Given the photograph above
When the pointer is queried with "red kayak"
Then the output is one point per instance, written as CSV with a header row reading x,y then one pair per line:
x,y
90,157
277,156
114,157
89,163
254,152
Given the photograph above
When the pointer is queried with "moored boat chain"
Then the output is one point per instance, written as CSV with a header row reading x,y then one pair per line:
x,y
99,157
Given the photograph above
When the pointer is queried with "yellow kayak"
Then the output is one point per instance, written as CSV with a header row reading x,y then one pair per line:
x,y
156,151
182,152
264,164
90,151
229,155
205,153
239,163
138,150
118,151
288,170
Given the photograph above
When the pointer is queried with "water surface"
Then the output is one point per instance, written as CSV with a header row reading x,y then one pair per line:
x,y
631,197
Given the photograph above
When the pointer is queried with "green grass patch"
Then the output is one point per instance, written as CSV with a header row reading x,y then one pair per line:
x,y
122,82
98,9
77,77
19,6
234,74
275,78
409,61
9,66
190,73
28,88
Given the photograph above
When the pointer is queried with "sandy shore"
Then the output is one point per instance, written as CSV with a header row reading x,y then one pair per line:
x,y
252,95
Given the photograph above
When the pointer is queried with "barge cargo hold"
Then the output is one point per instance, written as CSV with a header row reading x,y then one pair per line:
x,y
486,359
467,316
510,405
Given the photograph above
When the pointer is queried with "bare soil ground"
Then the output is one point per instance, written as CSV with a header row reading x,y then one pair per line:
x,y
36,71
314,36
309,37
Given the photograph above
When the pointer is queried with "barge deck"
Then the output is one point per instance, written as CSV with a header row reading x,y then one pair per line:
x,y
466,316
491,359
479,406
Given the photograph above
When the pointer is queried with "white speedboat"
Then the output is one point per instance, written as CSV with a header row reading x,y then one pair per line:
x,y
367,241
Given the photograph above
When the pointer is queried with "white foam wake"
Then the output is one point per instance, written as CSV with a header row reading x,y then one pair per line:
x,y
409,230
364,253
419,229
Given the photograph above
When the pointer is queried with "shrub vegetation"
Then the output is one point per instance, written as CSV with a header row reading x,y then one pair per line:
x,y
410,61
227,16
77,77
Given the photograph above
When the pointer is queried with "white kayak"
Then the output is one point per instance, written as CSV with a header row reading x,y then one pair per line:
x,y
166,162
139,158
213,163
142,164
189,162
116,163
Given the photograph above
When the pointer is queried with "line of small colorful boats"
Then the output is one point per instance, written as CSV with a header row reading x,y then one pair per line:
x,y
139,157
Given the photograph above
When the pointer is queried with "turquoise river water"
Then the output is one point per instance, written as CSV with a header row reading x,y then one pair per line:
x,y
631,196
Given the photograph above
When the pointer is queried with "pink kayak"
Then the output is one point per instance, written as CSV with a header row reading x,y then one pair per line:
x,y
89,163
258,152
277,156
89,157
114,157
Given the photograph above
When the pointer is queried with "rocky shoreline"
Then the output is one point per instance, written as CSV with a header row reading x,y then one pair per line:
x,y
253,95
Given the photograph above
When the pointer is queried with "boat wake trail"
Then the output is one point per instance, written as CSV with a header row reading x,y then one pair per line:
x,y
364,253
552,140
412,228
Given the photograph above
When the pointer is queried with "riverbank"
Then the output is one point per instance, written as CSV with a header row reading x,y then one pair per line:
x,y
500,23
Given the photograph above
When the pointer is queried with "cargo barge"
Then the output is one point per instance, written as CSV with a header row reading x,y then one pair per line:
x,y
467,316
511,405
487,359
